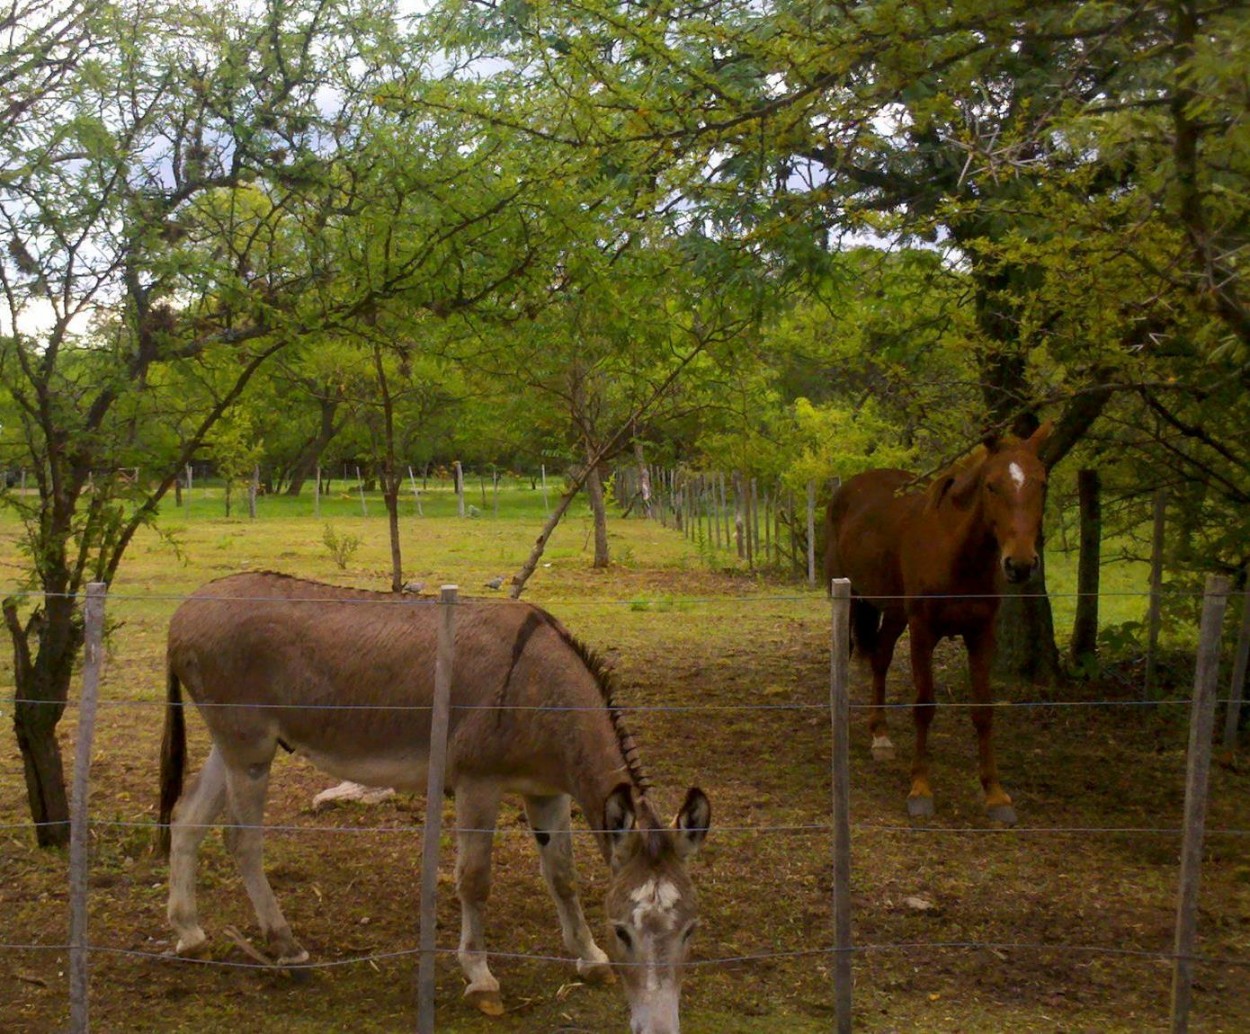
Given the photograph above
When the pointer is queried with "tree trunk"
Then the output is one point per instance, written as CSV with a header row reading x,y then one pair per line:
x,y
42,688
644,481
390,476
1025,634
594,491
306,463
1085,628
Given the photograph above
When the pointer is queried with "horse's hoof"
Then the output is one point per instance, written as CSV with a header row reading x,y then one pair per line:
x,y
488,1002
1003,813
920,807
882,749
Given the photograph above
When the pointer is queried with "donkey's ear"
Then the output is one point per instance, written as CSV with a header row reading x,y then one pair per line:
x,y
619,817
692,823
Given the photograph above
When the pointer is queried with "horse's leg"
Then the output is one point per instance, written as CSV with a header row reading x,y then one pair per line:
x,y
882,654
549,819
920,799
197,809
477,809
980,653
246,787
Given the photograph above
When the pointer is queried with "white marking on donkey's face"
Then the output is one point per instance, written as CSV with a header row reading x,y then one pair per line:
x,y
654,900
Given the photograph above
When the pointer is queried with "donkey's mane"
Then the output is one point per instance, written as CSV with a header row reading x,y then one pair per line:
x,y
594,663
597,667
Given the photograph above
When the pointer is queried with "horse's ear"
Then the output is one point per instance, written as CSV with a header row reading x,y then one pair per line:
x,y
619,819
959,489
1038,437
692,823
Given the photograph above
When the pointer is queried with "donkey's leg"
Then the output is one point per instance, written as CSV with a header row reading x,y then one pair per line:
x,y
549,819
477,809
980,653
892,626
194,813
920,799
246,787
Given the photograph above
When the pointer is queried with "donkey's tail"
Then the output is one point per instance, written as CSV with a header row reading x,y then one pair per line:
x,y
173,757
865,626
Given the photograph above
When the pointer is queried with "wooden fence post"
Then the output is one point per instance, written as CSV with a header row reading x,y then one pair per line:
x,y
1085,626
1198,769
1236,687
811,533
1156,584
459,473
440,714
840,709
79,833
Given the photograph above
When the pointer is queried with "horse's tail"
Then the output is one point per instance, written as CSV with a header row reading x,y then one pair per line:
x,y
173,758
865,627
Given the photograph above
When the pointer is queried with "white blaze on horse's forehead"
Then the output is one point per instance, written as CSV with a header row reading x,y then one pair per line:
x,y
655,898
1017,474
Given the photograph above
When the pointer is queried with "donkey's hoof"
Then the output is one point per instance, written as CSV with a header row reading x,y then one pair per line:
x,y
596,972
1003,813
192,945
488,1002
920,807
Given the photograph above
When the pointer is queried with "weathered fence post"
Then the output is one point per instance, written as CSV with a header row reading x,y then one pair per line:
x,y
1201,726
1236,687
811,533
440,714
459,474
840,708
360,484
79,833
1156,584
317,494
253,490
1085,626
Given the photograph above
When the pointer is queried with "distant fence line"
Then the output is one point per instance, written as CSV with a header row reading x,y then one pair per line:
x,y
1183,957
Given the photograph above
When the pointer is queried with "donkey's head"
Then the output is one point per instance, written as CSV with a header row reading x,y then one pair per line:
x,y
652,906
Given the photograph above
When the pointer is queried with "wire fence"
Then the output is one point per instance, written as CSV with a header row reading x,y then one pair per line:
x,y
841,949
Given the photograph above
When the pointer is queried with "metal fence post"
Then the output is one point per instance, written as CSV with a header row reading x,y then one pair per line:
x,y
440,714
79,977
1201,727
840,708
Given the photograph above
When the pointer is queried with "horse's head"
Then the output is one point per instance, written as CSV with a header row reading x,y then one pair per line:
x,y
652,907
1013,486
1009,486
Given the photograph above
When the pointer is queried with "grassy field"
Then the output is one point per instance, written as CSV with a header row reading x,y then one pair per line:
x,y
1059,924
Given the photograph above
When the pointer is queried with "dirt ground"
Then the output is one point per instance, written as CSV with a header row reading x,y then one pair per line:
x,y
1060,924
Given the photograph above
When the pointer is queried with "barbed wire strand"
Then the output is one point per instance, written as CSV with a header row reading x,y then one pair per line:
x,y
764,956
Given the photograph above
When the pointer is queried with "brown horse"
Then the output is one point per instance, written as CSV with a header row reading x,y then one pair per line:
x,y
933,561
345,678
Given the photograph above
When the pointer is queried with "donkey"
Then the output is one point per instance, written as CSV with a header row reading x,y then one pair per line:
x,y
345,678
